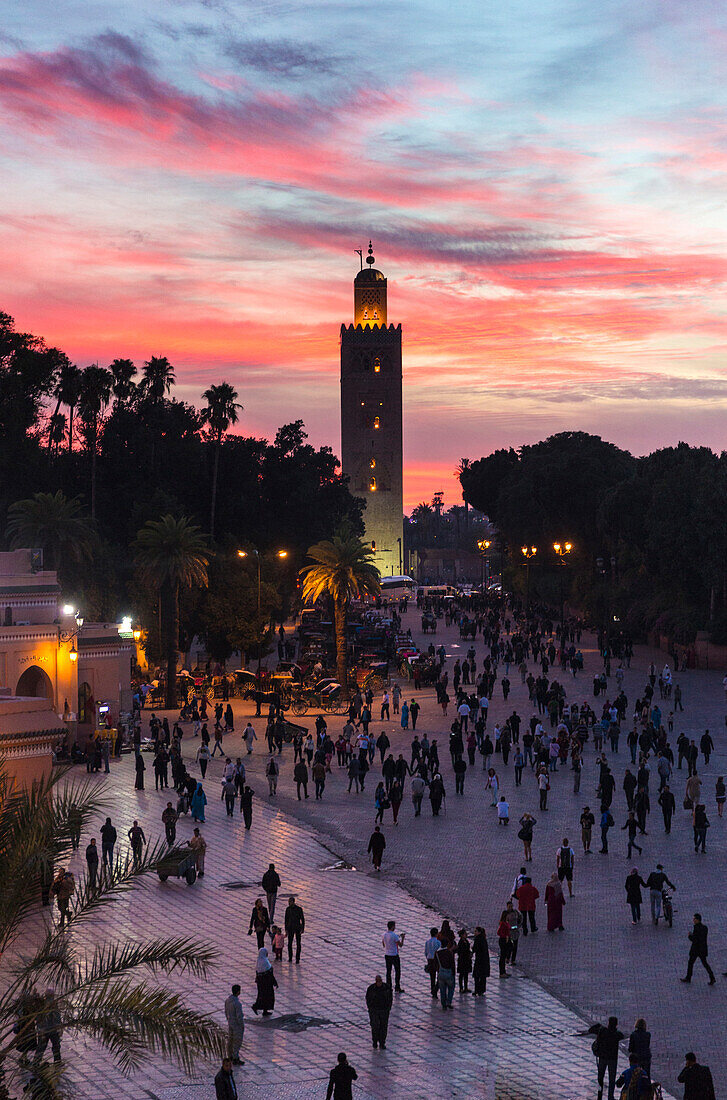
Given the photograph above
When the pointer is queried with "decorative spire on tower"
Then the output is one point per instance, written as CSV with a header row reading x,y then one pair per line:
x,y
370,259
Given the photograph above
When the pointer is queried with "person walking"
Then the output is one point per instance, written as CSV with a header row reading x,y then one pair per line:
x,y
198,803
668,804
169,821
294,927
139,769
418,787
235,1026
655,883
632,886
481,961
436,794
246,805
63,889
225,1087
699,949
272,774
75,822
271,884
49,1027
543,788
640,1046
606,824
92,863
266,984
464,960
526,896
700,824
137,841
632,825
565,859
697,1080
527,823
378,1002
587,823
198,844
554,903
392,942
300,775
720,792
605,1048
203,757
445,974
503,941
431,947
259,922
377,843
340,1080
108,840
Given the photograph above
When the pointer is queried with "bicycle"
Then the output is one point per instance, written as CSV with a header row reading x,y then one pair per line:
x,y
667,908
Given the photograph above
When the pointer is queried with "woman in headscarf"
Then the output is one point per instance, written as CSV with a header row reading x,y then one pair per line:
x,y
554,902
481,966
199,801
266,984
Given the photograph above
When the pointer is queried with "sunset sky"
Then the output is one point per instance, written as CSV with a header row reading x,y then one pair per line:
x,y
544,182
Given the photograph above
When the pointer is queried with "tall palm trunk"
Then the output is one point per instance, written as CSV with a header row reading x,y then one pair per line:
x,y
339,618
170,618
71,409
94,435
215,471
50,427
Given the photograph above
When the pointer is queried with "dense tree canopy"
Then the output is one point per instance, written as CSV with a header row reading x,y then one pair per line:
x,y
662,518
121,449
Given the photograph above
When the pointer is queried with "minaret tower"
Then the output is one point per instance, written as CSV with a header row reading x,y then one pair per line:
x,y
371,416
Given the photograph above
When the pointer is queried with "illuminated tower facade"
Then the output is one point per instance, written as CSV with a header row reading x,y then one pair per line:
x,y
371,416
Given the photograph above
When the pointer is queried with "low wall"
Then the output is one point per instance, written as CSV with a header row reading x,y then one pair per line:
x,y
700,654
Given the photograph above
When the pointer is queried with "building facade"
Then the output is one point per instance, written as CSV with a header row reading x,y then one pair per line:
x,y
49,652
371,416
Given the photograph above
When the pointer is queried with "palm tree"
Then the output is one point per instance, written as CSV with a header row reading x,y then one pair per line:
x,y
171,555
158,378
54,523
343,569
96,385
106,992
57,431
67,390
462,466
221,411
123,371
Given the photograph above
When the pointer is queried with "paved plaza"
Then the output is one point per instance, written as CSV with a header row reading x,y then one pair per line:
x,y
522,1040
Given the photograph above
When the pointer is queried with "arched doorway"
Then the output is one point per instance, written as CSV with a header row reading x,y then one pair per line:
x,y
35,684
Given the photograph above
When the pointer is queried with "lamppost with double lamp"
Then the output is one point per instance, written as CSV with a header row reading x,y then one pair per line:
x,y
608,575
246,554
528,552
483,545
562,549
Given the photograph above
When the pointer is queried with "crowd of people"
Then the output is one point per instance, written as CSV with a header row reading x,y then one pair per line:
x,y
519,750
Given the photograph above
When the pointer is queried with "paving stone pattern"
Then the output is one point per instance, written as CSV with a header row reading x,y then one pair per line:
x,y
518,1043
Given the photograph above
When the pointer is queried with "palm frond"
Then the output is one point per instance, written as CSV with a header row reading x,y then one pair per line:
x,y
157,1020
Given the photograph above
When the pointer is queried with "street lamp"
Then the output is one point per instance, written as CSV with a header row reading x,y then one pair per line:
x,y
246,554
528,552
562,549
483,545
608,576
69,635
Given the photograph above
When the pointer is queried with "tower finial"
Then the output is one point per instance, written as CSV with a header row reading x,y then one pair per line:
x,y
370,259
